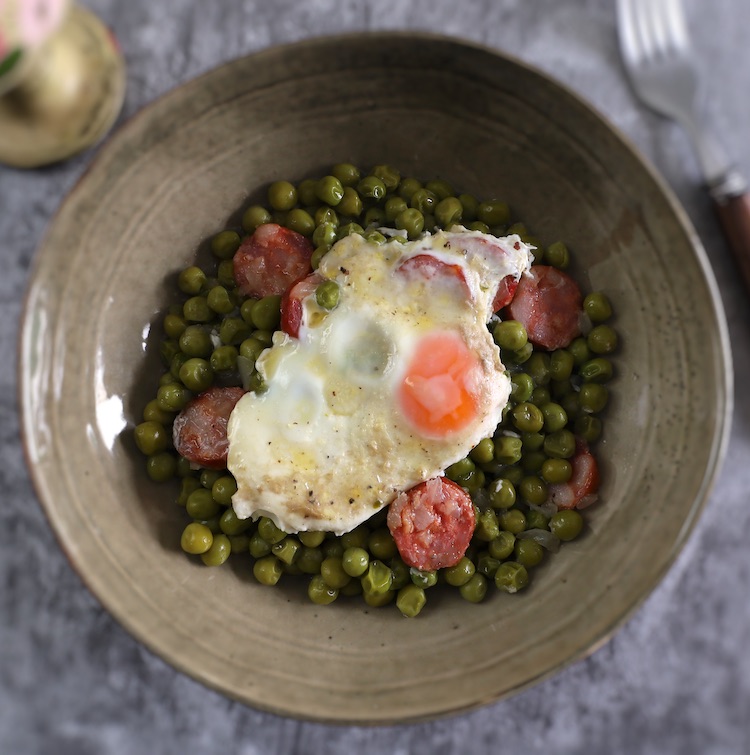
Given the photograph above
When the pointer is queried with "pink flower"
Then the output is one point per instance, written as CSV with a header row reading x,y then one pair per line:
x,y
39,18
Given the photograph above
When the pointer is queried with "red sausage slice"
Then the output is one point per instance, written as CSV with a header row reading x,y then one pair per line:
x,y
583,483
505,292
431,268
270,260
200,429
548,303
432,524
291,303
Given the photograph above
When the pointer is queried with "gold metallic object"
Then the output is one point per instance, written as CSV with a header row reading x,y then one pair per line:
x,y
67,96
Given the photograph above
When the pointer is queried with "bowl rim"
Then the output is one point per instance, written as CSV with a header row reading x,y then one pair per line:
x,y
725,397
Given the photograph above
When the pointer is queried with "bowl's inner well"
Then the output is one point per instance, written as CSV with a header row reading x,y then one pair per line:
x,y
179,172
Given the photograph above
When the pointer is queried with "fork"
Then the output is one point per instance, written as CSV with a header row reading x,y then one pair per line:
x,y
657,54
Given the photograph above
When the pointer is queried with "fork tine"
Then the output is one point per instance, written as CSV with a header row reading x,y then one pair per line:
x,y
674,19
643,14
628,34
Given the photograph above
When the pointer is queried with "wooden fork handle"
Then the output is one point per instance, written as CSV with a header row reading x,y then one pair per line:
x,y
734,215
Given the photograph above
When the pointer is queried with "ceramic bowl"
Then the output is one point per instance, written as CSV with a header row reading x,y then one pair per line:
x,y
186,166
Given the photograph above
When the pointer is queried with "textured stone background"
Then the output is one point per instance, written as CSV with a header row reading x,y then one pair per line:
x,y
675,679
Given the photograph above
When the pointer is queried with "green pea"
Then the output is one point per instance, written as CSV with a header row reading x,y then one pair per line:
x,y
381,544
306,192
528,553
561,365
522,386
508,450
424,201
264,336
286,550
502,493
351,203
224,358
378,600
375,237
326,215
423,579
408,187
255,216
356,538
266,313
475,589
411,221
478,225
598,370
522,355
327,294
267,570
588,427
208,477
196,538
231,524
347,173
461,573
196,309
533,490
538,366
555,417
557,255
349,229
602,339
449,211
572,405
333,572
333,548
487,527
389,175
300,221
151,437
251,348
578,347
269,531
532,441
472,481
486,564
460,469
309,559
560,444
469,205
222,490
596,305
536,520
483,452
201,505
375,216
394,206
258,547
566,524
510,335
556,471
494,212
219,551
224,244
400,573
513,520
311,538
593,397
541,396
239,543
355,561
371,187
532,461
187,485
511,577
377,579
161,467
196,342
152,412
330,190
220,300
411,600
196,374
191,280
321,593
172,398
351,589
174,325
282,195
502,546
527,417
324,234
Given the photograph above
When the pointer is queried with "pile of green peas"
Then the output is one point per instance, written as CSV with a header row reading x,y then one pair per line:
x,y
214,335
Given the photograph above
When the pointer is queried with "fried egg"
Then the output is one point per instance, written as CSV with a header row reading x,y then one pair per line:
x,y
398,381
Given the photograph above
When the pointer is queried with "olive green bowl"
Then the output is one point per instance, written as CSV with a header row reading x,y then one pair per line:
x,y
191,161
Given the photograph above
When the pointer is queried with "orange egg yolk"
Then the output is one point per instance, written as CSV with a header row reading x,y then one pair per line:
x,y
437,393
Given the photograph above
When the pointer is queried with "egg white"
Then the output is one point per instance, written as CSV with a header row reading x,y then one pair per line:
x,y
325,446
